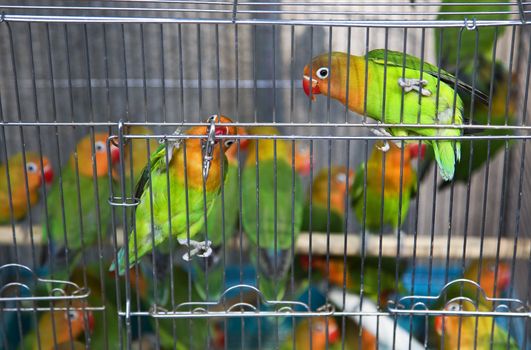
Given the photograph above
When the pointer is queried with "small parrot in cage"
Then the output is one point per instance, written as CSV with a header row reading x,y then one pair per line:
x,y
272,209
186,195
74,196
429,99
492,276
395,197
340,182
60,327
460,332
221,225
21,171
321,330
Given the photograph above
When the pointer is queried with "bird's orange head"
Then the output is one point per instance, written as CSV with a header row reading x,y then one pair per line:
x,y
232,153
35,173
326,70
100,156
221,130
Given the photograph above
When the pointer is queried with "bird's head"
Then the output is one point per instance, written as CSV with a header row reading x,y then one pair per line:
x,y
89,152
323,73
37,173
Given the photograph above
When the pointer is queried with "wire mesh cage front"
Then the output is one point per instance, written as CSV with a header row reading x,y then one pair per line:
x,y
199,174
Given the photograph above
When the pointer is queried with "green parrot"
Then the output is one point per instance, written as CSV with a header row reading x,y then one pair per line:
x,y
271,230
439,103
459,332
320,199
60,327
222,222
79,222
17,182
152,211
391,190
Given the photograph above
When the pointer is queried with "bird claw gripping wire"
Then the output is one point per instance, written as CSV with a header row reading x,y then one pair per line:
x,y
202,249
382,132
414,84
208,146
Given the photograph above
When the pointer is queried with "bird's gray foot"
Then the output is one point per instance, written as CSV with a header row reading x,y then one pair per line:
x,y
382,132
414,84
202,249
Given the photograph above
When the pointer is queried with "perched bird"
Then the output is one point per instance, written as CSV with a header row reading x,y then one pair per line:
x,y
439,103
272,209
20,192
340,181
315,332
395,195
59,327
75,195
186,202
222,223
460,332
492,277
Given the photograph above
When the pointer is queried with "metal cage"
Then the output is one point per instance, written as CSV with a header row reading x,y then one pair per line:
x,y
403,269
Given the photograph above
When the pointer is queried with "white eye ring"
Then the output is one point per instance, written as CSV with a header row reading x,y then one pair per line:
x,y
212,118
99,146
341,177
228,143
72,314
453,307
322,73
31,167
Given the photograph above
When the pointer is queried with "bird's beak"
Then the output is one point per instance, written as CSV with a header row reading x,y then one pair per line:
x,y
115,154
416,151
333,333
48,174
91,321
504,278
314,87
438,324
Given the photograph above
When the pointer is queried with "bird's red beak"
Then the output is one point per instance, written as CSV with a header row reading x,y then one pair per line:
x,y
504,277
314,86
417,152
437,323
115,154
333,333
91,321
48,174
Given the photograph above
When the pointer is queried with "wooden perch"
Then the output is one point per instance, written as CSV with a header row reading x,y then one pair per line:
x,y
424,247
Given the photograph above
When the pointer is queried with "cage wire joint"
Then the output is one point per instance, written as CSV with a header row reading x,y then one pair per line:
x,y
208,146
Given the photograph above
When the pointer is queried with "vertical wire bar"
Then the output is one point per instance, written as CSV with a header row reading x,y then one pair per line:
x,y
257,164
181,69
293,240
8,178
255,91
199,72
310,241
292,72
274,56
163,75
37,118
148,148
240,225
310,113
345,232
128,330
276,276
434,191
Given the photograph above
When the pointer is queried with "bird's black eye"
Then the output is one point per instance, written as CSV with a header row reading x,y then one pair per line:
x,y
99,146
322,72
31,167
228,143
453,307
212,118
72,315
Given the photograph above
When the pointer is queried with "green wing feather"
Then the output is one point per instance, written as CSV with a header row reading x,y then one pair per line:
x,y
396,59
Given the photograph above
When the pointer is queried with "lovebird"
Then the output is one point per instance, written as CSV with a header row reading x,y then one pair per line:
x,y
459,332
152,191
490,280
339,175
60,327
330,78
274,225
79,227
316,329
392,186
17,181
222,223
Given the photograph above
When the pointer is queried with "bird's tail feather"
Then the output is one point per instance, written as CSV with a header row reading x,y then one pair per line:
x,y
447,152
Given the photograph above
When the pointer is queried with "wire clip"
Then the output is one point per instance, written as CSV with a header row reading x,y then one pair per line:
x,y
208,148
